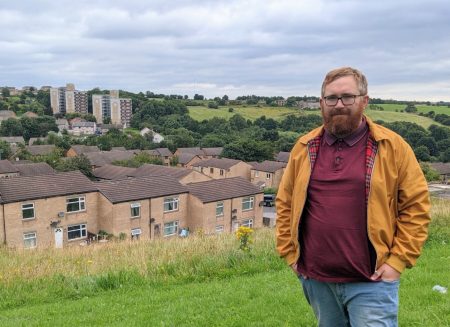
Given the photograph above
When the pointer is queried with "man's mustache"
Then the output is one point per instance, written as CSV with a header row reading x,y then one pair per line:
x,y
339,112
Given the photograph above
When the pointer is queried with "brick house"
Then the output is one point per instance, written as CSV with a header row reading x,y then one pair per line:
x,y
223,168
76,150
186,160
145,207
282,156
267,173
47,210
7,169
222,205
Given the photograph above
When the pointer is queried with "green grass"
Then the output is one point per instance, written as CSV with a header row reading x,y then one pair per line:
x,y
248,112
199,281
420,108
279,113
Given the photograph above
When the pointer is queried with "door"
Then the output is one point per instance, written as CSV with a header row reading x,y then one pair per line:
x,y
58,237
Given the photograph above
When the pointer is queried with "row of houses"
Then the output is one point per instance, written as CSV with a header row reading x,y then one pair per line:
x,y
62,209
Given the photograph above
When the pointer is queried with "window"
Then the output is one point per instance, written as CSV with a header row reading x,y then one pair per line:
x,y
29,240
135,233
211,170
28,211
221,172
135,210
76,231
76,204
268,176
247,223
219,209
171,204
256,173
219,229
247,203
171,228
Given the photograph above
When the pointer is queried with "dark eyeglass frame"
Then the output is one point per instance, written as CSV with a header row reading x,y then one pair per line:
x,y
346,99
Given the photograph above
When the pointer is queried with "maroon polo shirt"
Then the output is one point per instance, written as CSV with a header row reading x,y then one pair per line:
x,y
333,231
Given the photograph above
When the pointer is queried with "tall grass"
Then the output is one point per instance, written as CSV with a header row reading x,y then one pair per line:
x,y
49,275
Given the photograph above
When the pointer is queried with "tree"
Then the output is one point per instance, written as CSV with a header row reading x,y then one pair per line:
x,y
237,122
80,163
422,153
198,97
5,92
5,150
11,127
107,120
248,150
430,144
411,108
439,133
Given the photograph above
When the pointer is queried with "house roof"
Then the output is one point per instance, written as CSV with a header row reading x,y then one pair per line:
x,y
441,167
37,150
282,156
112,172
107,157
268,166
13,139
30,114
90,124
158,170
196,150
34,169
164,152
222,189
7,167
184,158
44,186
213,151
80,149
7,113
222,163
140,188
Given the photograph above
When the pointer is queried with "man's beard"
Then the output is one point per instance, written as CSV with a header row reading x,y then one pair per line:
x,y
341,122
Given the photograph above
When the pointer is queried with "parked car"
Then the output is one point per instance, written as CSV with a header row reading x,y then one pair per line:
x,y
269,200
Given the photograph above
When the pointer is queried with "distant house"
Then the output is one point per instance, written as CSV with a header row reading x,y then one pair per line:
x,y
13,140
157,138
267,173
186,160
282,156
30,114
105,128
218,168
62,124
33,140
83,128
6,114
148,207
222,205
112,172
7,169
145,131
163,154
203,153
99,159
47,210
443,170
40,150
34,169
76,150
183,175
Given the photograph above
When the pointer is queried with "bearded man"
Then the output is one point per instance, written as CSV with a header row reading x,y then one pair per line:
x,y
352,210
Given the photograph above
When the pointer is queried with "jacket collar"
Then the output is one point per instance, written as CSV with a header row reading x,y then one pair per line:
x,y
376,131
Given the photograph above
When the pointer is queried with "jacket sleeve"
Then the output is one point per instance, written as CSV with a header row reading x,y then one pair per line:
x,y
285,245
413,208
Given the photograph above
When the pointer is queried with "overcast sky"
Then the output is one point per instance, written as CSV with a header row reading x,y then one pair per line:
x,y
265,47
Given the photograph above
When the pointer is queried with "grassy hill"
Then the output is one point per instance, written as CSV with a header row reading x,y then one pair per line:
x,y
279,113
198,281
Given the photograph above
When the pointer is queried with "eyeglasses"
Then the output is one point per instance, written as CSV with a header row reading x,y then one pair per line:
x,y
347,99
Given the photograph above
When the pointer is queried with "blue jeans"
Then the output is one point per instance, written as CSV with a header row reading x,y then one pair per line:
x,y
353,304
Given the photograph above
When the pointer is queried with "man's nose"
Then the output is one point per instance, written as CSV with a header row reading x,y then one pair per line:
x,y
340,103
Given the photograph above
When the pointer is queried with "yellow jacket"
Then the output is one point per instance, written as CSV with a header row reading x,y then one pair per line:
x,y
398,202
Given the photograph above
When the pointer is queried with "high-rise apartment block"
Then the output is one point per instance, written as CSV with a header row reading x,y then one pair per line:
x,y
118,109
66,100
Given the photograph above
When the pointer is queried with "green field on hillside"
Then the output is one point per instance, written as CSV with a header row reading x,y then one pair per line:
x,y
279,113
420,108
197,281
